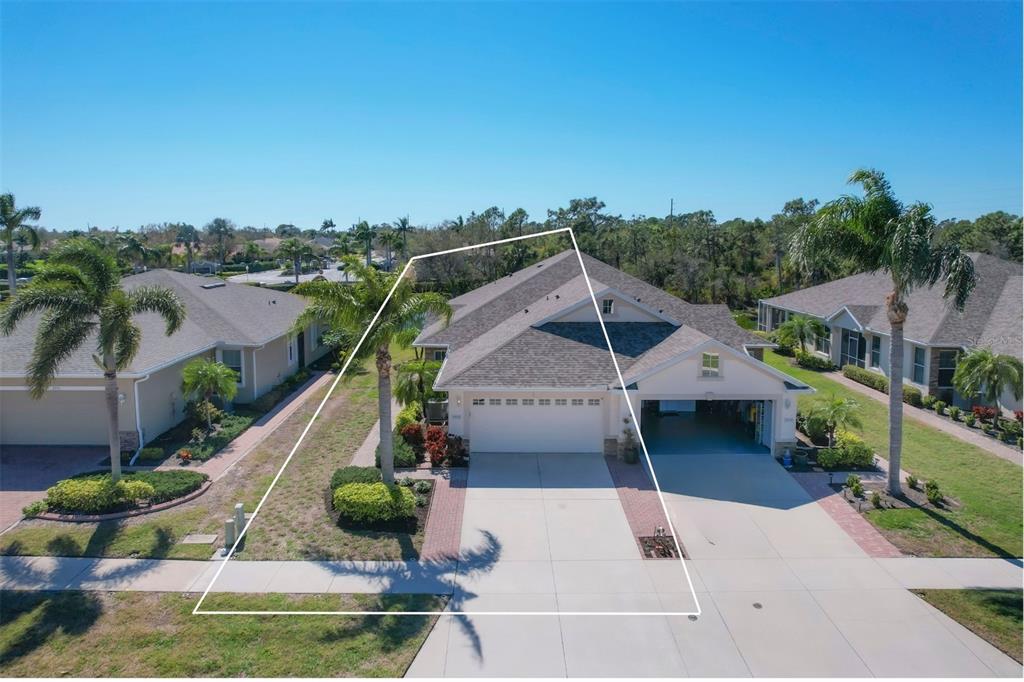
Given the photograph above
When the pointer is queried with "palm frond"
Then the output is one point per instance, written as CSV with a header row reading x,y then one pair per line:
x,y
127,345
161,300
58,338
57,297
95,262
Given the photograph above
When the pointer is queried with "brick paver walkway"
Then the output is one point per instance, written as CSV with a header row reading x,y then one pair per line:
x,y
444,523
855,525
638,496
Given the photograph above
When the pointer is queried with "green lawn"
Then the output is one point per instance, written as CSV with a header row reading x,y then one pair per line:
x,y
132,634
989,522
993,615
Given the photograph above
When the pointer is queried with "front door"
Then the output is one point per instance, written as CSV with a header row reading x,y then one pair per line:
x,y
301,342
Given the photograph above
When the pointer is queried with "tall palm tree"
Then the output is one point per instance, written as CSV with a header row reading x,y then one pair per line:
x,y
132,247
984,373
836,413
363,232
207,378
402,228
79,295
349,309
326,226
389,240
13,222
189,237
295,249
800,330
877,232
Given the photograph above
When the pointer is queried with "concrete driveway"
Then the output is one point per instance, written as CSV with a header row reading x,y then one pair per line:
x,y
783,590
27,471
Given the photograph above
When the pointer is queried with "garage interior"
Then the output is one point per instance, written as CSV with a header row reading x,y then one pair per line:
x,y
705,426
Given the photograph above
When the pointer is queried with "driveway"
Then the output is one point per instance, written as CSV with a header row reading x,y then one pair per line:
x,y
27,471
783,590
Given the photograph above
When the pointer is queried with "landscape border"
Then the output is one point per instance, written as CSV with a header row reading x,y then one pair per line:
x,y
197,611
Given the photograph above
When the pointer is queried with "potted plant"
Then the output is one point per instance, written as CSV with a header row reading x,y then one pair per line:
x,y
628,450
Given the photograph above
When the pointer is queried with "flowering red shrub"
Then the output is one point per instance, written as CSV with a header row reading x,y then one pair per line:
x,y
1018,415
984,413
413,435
436,445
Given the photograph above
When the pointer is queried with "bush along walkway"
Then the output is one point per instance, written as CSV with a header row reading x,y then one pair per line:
x,y
964,433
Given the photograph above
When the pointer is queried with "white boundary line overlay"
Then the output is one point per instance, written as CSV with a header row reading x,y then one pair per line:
x,y
198,611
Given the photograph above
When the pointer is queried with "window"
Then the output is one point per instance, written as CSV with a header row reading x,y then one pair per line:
x,y
947,367
577,402
511,401
439,355
544,402
607,306
823,343
709,365
560,402
876,351
594,402
233,359
851,349
527,402
495,401
479,401
291,350
918,375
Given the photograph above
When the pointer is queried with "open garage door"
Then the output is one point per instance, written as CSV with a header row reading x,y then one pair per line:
x,y
562,425
680,427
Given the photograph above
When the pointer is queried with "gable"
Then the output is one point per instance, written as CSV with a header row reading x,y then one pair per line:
x,y
623,310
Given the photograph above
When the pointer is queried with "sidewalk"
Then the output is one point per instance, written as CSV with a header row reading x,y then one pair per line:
x,y
406,577
929,418
236,450
365,456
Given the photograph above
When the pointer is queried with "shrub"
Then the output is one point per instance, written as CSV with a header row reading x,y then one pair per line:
x,y
940,407
457,453
413,435
912,481
876,500
436,445
854,484
203,411
151,454
812,361
84,495
862,376
912,396
928,402
374,502
405,482
933,493
135,490
830,458
34,509
405,456
352,474
1011,427
97,494
421,500
1018,415
984,413
815,428
954,413
422,486
168,485
410,414
970,419
856,452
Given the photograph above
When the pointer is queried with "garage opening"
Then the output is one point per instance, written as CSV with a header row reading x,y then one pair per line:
x,y
706,426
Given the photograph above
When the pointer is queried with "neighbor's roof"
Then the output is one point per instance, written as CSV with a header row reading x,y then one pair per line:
x,y
500,333
992,316
228,314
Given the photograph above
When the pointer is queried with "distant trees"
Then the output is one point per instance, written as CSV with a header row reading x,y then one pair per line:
x,y
220,232
14,222
188,236
295,250
363,233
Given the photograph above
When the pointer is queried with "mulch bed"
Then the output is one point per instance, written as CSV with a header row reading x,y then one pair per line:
x,y
911,498
138,511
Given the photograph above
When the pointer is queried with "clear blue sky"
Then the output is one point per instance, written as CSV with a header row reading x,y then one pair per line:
x,y
123,114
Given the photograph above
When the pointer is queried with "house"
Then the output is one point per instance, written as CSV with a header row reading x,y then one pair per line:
x,y
853,310
247,328
527,368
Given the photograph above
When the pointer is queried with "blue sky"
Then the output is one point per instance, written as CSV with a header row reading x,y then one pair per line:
x,y
124,114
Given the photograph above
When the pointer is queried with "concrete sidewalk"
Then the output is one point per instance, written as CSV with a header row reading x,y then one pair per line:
x,y
366,455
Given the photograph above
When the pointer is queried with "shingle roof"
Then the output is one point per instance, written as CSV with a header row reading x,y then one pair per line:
x,y
993,312
499,336
232,314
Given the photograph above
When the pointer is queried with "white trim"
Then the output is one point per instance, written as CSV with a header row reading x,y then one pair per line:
x,y
846,309
56,388
607,290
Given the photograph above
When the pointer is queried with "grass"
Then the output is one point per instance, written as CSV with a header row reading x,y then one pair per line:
x,y
294,524
88,634
993,615
989,520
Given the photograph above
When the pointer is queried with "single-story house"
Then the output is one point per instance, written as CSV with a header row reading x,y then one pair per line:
x,y
526,367
853,311
247,328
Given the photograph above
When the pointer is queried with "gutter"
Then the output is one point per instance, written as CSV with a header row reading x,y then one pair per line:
x,y
138,418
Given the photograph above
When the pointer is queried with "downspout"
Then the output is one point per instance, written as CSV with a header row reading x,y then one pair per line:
x,y
138,418
255,380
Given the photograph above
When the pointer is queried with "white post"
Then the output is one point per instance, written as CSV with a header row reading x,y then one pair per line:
x,y
229,535
239,517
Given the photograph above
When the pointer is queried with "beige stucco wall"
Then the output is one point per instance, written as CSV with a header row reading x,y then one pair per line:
x,y
161,402
73,412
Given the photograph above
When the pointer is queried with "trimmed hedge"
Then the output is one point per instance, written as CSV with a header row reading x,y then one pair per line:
x,y
850,452
813,361
96,494
352,474
374,502
880,382
151,454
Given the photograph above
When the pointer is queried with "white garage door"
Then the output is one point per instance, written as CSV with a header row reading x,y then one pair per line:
x,y
563,425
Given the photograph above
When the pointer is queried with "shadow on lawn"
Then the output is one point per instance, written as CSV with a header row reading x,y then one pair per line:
x,y
46,614
955,527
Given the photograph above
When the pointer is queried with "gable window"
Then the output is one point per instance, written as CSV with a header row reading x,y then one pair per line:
x,y
495,401
709,365
479,401
918,371
544,402
560,402
607,306
876,351
439,355
233,359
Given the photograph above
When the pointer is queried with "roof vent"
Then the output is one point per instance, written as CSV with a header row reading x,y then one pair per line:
x,y
526,310
557,297
214,285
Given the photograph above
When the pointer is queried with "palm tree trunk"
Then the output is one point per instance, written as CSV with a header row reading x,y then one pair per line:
x,y
296,266
188,258
12,278
387,452
897,311
778,271
369,250
113,431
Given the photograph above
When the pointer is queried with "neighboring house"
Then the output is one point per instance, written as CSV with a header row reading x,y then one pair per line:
x,y
853,309
527,368
245,327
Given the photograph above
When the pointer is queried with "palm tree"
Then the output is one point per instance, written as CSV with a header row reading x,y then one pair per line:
x,y
295,249
877,232
362,232
800,330
402,228
389,240
984,373
415,382
326,226
836,413
252,252
207,378
79,295
132,247
188,236
349,309
13,220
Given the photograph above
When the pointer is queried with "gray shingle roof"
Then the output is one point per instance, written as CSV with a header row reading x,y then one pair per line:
x,y
498,335
993,312
233,314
